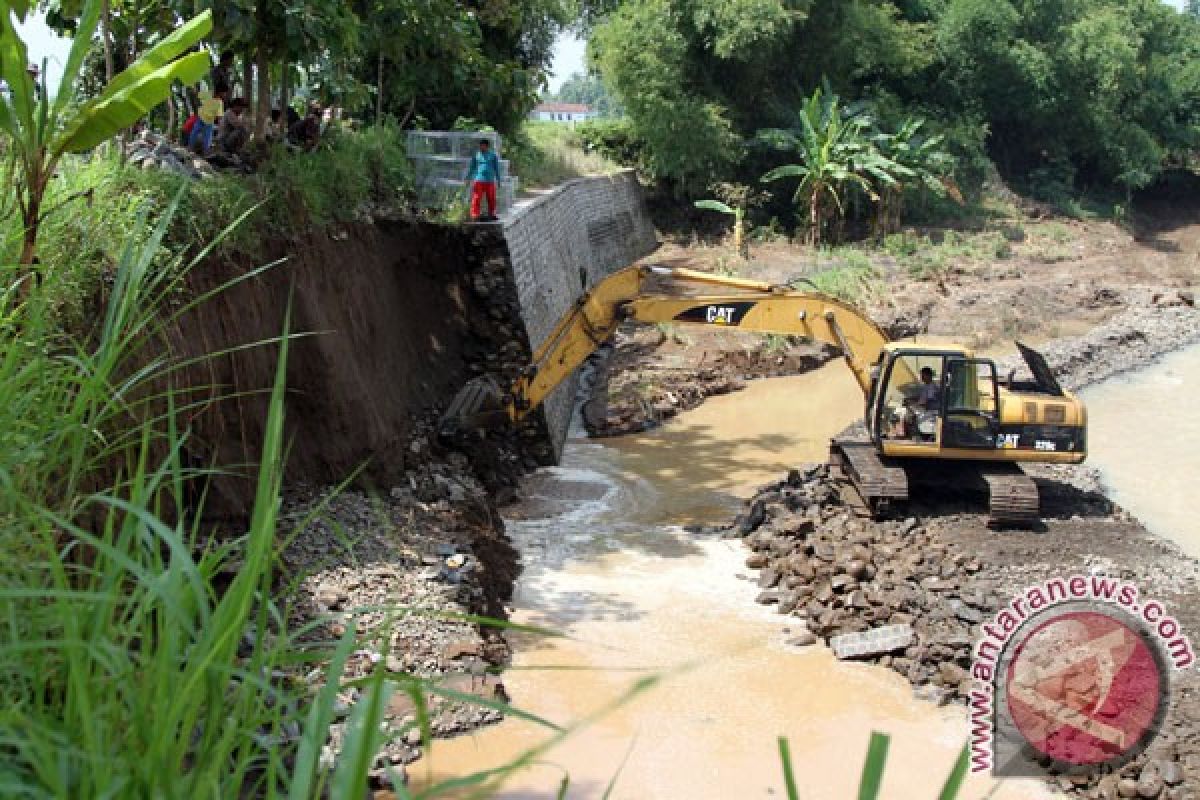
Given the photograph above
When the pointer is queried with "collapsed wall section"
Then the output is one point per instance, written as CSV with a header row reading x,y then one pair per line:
x,y
562,243
391,319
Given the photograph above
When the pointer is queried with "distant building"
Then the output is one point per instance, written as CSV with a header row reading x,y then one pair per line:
x,y
563,112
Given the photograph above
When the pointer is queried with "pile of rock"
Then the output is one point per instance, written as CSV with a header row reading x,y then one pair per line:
x,y
843,574
367,563
152,150
500,349
846,575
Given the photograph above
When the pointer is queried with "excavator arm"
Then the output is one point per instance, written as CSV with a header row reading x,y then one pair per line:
x,y
653,294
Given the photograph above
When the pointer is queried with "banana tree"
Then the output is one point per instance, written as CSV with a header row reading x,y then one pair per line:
x,y
836,155
918,163
739,224
41,129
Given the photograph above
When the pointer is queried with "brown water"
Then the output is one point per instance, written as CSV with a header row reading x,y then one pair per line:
x,y
607,563
1144,436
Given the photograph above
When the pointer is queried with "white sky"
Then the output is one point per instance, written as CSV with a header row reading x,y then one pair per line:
x,y
569,57
44,45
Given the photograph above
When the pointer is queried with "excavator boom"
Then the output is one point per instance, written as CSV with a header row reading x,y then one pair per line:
x,y
653,294
928,405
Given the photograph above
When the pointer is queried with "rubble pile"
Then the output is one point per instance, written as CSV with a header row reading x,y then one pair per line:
x,y
843,574
150,150
897,593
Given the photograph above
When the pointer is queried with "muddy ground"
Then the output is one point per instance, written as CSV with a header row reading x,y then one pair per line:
x,y
1097,299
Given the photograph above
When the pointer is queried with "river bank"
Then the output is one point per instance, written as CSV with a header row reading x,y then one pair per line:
x,y
940,568
650,376
943,571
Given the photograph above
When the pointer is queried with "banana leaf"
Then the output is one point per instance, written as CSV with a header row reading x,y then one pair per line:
x,y
14,59
113,112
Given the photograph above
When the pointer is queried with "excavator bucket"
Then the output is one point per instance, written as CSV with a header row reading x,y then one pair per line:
x,y
480,405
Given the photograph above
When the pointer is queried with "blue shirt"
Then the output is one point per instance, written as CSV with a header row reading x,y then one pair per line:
x,y
484,167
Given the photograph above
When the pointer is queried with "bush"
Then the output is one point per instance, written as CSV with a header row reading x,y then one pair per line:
x,y
96,204
614,139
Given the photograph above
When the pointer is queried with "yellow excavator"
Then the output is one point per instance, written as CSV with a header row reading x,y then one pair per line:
x,y
935,414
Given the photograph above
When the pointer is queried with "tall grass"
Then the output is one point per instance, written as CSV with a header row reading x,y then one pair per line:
x,y
138,657
96,202
124,670
548,153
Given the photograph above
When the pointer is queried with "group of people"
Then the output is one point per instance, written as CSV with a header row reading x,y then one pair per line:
x,y
222,125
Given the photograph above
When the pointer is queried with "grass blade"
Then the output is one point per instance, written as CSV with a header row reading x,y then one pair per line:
x,y
872,772
957,775
789,777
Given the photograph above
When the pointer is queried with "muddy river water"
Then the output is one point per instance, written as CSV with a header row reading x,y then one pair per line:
x,y
1144,436
608,563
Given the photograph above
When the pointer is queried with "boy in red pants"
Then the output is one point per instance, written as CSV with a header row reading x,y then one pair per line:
x,y
483,172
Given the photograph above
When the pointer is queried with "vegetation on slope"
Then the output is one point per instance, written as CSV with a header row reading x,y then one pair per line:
x,y
1062,96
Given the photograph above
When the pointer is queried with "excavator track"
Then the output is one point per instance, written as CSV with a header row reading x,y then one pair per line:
x,y
1012,495
878,485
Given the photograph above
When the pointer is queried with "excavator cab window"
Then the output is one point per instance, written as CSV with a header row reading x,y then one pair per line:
x,y
912,398
969,404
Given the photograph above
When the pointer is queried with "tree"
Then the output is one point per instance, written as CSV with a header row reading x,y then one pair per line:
x,y
1096,92
589,90
916,162
267,32
42,129
435,61
836,155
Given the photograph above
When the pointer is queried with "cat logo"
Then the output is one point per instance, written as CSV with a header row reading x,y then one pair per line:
x,y
720,315
730,314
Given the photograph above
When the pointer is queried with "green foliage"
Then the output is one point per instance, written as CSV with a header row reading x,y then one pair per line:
x,y
40,130
548,153
846,273
614,139
837,156
1111,90
590,90
871,778
119,662
94,203
901,245
689,139
443,59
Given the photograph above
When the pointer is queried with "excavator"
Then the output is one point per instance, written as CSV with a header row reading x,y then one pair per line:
x,y
934,415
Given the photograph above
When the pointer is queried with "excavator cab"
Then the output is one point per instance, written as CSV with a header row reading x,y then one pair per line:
x,y
932,400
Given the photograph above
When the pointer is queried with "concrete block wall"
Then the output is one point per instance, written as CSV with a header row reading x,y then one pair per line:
x,y
561,244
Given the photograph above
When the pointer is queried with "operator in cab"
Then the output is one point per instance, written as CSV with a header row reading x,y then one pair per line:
x,y
916,417
929,397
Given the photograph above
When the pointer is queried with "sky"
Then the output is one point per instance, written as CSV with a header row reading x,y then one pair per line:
x,y
45,46
570,53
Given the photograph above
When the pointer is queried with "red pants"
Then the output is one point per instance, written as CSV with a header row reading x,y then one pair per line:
x,y
479,190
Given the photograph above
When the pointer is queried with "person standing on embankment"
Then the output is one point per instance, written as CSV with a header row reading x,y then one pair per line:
x,y
483,172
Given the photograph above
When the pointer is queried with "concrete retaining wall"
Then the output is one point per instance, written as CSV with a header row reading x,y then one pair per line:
x,y
561,244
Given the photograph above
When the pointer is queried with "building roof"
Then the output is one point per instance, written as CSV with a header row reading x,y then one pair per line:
x,y
564,108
